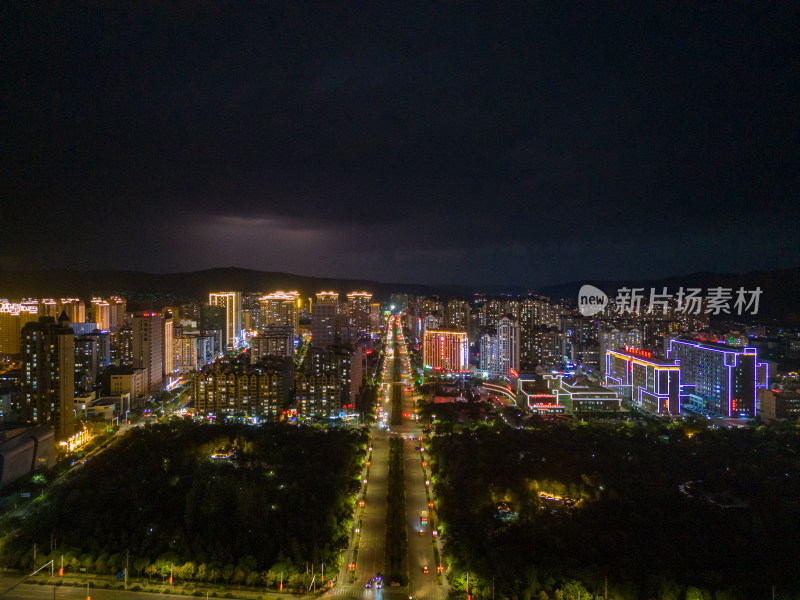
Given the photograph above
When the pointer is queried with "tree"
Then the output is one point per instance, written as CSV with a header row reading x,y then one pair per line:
x,y
150,570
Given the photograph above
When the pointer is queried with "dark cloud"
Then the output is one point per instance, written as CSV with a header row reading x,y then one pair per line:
x,y
440,143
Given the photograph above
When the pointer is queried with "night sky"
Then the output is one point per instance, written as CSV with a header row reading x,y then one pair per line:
x,y
470,143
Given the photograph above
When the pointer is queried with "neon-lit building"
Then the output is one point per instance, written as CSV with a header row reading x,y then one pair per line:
x,y
232,302
446,351
579,395
649,382
723,379
281,308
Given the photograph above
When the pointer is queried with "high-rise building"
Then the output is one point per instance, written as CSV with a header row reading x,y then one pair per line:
x,y
122,347
457,315
614,339
649,382
280,308
446,351
720,378
323,319
87,362
13,317
358,312
255,390
75,309
184,353
166,349
48,373
275,340
232,302
147,330
499,352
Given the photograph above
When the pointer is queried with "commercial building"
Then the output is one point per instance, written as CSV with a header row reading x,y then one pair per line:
x,y
651,383
719,378
232,303
48,373
127,380
579,395
446,351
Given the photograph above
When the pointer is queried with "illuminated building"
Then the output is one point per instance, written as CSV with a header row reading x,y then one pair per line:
x,y
13,317
232,302
579,395
358,311
280,308
491,311
48,373
457,315
722,379
184,353
317,395
75,309
776,404
323,319
499,353
166,348
257,391
122,347
48,308
649,382
613,339
446,351
127,380
147,331
108,314
87,362
275,340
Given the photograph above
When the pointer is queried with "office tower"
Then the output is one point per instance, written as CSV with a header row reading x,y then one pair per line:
x,y
446,351
720,378
13,317
232,302
358,311
280,308
649,382
147,330
166,348
457,315
323,319
48,373
275,340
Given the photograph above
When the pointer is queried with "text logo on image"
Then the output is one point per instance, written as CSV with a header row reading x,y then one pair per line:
x,y
591,300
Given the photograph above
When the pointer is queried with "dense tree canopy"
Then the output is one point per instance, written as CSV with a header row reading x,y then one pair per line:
x,y
588,502
285,497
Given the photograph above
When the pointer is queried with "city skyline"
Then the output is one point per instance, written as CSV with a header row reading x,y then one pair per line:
x,y
474,145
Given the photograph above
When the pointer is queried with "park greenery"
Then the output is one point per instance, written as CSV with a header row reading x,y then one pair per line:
x,y
396,546
158,502
659,511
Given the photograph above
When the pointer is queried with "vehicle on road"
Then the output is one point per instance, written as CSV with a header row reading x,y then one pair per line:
x,y
368,584
423,517
425,570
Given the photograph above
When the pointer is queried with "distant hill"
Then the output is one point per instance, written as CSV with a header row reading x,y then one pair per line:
x,y
195,284
780,298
